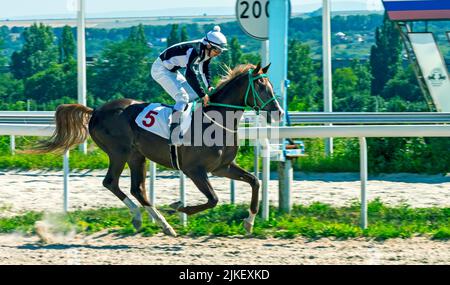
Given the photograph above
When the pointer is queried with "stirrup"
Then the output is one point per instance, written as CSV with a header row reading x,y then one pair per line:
x,y
177,141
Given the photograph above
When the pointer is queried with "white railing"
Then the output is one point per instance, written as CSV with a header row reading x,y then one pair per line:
x,y
346,131
361,132
295,118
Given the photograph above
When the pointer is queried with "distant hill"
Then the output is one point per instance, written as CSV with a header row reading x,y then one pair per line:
x,y
189,11
336,7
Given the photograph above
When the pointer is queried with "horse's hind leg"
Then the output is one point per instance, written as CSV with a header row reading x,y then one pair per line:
x,y
111,182
118,150
235,172
136,162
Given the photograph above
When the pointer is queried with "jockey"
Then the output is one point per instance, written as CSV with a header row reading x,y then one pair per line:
x,y
195,57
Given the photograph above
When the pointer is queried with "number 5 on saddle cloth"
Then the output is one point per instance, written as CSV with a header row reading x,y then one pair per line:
x,y
156,118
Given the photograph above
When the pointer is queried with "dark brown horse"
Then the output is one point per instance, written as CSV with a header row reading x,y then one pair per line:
x,y
114,130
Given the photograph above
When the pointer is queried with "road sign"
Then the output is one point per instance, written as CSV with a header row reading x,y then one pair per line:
x,y
252,16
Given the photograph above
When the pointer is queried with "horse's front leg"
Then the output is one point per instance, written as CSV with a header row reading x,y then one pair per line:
x,y
235,172
200,178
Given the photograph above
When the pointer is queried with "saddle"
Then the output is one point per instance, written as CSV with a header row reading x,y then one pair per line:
x,y
156,118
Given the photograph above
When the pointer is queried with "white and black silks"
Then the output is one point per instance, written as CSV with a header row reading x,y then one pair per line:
x,y
189,55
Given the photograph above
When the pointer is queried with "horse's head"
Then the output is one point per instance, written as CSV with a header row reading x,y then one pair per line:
x,y
260,95
247,87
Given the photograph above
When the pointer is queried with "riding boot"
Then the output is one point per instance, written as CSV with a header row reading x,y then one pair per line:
x,y
175,138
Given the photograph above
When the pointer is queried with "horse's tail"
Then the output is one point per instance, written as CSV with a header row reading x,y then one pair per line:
x,y
71,129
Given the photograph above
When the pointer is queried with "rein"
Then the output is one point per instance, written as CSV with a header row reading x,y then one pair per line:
x,y
218,124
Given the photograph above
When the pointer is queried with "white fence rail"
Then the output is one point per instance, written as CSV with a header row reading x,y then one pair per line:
x,y
346,131
295,118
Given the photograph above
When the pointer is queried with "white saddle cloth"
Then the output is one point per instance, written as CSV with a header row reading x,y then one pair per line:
x,y
156,119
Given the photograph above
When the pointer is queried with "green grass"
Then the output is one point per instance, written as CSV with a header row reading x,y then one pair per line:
x,y
97,159
413,155
313,221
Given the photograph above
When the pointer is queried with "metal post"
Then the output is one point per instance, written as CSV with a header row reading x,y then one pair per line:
x,y
363,174
264,62
265,179
151,188
327,72
66,181
278,35
287,173
152,173
256,151
183,216
232,191
81,59
265,53
12,144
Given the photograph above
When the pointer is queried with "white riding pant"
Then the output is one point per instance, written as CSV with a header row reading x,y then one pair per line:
x,y
174,83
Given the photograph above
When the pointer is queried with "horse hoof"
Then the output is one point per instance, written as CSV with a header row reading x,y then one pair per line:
x,y
176,205
248,227
137,224
169,231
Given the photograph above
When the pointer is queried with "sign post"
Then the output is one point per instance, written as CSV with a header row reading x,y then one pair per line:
x,y
253,17
278,50
81,59
327,74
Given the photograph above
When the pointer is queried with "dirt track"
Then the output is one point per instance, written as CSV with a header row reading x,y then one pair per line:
x,y
24,191
110,249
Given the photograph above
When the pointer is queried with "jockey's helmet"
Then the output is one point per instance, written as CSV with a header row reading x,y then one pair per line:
x,y
216,39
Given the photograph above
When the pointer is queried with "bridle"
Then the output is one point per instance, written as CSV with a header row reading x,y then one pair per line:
x,y
256,97
247,106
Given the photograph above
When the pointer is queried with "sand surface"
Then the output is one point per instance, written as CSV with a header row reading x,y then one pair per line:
x,y
109,249
42,191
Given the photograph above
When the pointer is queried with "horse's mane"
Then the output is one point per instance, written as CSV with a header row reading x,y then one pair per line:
x,y
233,73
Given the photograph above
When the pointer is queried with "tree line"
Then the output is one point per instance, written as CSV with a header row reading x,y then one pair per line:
x,y
44,70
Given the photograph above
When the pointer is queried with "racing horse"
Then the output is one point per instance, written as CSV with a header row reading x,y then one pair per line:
x,y
113,128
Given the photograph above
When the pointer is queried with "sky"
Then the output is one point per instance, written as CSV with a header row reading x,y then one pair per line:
x,y
23,8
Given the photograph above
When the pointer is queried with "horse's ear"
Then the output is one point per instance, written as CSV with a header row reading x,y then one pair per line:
x,y
257,69
264,70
